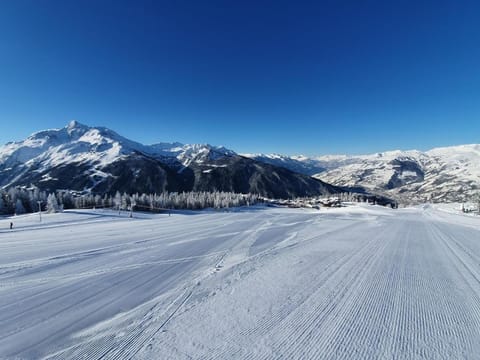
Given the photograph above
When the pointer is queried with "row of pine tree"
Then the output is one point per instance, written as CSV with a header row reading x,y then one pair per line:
x,y
21,200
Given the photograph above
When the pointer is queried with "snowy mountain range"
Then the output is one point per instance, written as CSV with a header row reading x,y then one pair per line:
x,y
438,175
96,159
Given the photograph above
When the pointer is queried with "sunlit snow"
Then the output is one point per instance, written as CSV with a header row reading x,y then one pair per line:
x,y
361,282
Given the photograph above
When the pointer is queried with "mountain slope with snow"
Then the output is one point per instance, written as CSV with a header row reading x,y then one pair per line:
x,y
441,174
96,159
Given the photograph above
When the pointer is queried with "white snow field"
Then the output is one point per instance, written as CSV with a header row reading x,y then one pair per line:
x,y
361,282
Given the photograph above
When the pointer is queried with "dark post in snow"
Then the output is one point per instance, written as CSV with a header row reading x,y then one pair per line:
x,y
40,210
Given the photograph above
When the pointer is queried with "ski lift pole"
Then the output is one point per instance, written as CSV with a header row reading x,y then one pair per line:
x,y
40,209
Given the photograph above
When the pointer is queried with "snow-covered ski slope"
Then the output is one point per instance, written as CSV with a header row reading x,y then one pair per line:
x,y
350,283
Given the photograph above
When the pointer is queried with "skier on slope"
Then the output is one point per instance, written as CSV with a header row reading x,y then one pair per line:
x,y
11,225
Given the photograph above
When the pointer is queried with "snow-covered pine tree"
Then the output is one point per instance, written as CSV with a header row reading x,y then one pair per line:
x,y
117,200
52,204
19,208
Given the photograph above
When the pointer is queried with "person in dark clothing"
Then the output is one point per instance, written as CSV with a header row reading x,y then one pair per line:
x,y
11,225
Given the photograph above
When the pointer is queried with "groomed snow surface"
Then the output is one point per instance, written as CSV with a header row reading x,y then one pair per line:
x,y
361,282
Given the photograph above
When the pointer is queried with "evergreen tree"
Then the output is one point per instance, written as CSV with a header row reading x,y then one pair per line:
x,y
52,204
3,209
117,200
19,208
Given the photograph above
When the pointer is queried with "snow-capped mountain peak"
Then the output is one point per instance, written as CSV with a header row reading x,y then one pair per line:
x,y
97,159
93,147
80,142
189,153
74,127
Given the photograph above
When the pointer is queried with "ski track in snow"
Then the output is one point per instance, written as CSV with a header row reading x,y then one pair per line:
x,y
354,283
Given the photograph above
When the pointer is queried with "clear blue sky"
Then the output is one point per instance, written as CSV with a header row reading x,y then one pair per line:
x,y
311,77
